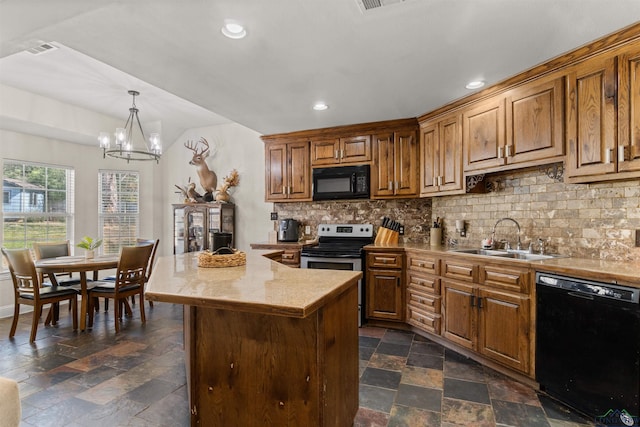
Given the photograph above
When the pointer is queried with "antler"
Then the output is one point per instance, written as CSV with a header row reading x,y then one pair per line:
x,y
194,147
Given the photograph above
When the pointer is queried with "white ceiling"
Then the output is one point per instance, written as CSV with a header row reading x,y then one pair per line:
x,y
397,61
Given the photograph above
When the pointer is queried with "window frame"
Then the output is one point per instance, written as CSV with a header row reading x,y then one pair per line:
x,y
123,214
51,215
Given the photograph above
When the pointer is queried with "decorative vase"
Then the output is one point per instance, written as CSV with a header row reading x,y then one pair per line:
x,y
90,254
222,196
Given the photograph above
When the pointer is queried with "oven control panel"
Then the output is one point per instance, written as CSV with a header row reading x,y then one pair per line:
x,y
345,230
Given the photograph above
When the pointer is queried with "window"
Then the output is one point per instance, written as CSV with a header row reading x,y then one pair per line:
x,y
118,209
37,203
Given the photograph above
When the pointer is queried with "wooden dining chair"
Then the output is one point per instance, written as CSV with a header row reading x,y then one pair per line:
x,y
43,250
29,290
152,258
140,242
131,276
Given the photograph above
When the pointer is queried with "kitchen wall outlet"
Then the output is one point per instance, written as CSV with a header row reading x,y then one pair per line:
x,y
401,230
637,238
274,216
307,229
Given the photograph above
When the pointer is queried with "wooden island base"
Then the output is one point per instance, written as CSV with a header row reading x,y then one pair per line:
x,y
255,369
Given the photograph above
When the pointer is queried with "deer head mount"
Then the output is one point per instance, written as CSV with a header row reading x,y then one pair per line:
x,y
208,178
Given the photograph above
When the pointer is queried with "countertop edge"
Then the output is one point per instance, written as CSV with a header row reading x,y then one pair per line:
x,y
617,272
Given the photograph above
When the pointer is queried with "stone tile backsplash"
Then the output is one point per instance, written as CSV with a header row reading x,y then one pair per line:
x,y
582,220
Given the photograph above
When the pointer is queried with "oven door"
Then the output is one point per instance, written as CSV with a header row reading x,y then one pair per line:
x,y
351,264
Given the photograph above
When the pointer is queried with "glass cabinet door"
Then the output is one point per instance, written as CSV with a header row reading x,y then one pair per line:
x,y
196,230
178,230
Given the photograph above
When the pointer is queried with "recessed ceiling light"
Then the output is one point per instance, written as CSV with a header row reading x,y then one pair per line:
x,y
476,84
233,29
320,106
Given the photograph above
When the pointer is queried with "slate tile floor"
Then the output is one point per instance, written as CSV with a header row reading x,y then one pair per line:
x,y
137,378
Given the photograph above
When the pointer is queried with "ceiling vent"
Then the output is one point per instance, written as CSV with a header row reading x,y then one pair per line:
x,y
367,5
40,49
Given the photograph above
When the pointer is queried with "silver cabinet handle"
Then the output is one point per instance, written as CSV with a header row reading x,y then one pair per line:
x,y
508,150
390,185
500,156
608,155
342,154
621,156
336,154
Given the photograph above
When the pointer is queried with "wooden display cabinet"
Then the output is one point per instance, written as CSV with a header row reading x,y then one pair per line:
x,y
193,224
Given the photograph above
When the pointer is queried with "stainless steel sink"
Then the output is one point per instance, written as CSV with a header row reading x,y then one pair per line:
x,y
506,254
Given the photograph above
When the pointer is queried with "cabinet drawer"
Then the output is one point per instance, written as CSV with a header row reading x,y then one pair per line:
x,y
460,270
427,322
291,257
423,301
386,260
424,282
511,279
422,263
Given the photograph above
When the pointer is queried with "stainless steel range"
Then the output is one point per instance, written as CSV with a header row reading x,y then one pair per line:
x,y
340,248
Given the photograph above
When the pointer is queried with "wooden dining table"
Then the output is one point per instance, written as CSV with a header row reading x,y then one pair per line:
x,y
77,264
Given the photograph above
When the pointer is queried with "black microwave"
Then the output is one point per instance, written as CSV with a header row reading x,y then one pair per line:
x,y
342,182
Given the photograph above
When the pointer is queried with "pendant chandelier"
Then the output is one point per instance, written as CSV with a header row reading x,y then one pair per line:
x,y
125,143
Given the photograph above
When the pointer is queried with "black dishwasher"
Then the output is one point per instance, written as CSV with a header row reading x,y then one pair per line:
x,y
588,344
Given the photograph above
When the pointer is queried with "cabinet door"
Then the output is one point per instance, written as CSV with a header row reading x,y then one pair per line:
x,y
504,328
483,135
450,154
325,152
195,229
178,231
382,174
299,171
629,111
385,295
406,163
355,149
591,118
276,171
429,158
535,122
460,315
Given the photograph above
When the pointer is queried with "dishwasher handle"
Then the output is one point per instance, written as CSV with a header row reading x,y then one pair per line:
x,y
581,295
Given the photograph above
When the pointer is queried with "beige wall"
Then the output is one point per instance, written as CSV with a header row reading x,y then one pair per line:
x,y
232,147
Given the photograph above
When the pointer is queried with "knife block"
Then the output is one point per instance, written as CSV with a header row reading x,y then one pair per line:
x,y
386,236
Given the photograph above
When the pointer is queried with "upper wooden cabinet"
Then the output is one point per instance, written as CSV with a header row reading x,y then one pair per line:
x,y
604,140
394,172
341,151
288,172
522,127
441,156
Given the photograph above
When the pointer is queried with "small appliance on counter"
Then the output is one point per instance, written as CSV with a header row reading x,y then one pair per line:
x,y
288,230
220,240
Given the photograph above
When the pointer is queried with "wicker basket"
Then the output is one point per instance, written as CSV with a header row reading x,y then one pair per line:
x,y
210,260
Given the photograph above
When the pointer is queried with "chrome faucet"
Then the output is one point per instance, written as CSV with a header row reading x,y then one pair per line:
x,y
493,233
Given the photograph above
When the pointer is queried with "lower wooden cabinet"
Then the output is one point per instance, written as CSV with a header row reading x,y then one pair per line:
x,y
423,292
503,328
488,319
384,295
385,287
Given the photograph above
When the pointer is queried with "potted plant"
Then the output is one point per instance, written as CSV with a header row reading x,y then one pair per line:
x,y
90,245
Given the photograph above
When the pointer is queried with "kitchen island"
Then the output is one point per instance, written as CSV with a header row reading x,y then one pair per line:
x,y
265,344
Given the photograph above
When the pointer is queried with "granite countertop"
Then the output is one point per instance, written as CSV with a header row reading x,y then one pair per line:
x,y
261,286
621,272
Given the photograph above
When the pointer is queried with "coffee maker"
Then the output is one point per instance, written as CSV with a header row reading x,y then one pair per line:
x,y
288,230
